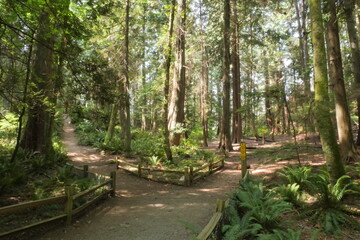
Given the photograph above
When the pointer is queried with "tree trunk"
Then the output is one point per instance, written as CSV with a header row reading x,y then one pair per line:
x,y
144,110
38,130
301,13
127,130
226,79
177,103
322,108
355,51
237,122
343,121
112,123
167,84
204,84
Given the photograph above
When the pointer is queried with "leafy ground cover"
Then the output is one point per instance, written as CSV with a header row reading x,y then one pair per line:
x,y
297,202
147,146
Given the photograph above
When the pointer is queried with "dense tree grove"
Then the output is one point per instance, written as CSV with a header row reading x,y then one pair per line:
x,y
184,71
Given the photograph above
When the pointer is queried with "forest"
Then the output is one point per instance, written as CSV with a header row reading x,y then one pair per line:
x,y
173,84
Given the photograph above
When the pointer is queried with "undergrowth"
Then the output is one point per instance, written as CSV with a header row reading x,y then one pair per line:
x,y
256,210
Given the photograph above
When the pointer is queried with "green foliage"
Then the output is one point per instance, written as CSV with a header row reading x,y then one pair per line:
x,y
297,175
277,234
253,210
154,160
329,207
148,144
11,174
291,193
8,126
65,173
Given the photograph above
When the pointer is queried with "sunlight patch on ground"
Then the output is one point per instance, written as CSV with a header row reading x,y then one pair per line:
x,y
157,205
210,190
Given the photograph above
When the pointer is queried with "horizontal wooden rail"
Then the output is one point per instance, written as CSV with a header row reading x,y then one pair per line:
x,y
33,225
86,192
67,200
214,221
87,204
189,174
22,206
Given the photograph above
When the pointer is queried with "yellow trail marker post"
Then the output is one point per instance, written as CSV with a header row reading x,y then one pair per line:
x,y
243,159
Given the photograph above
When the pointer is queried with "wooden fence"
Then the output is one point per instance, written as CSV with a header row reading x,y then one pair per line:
x,y
214,221
71,203
186,177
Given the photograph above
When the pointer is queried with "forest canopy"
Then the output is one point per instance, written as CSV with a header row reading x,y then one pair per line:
x,y
181,72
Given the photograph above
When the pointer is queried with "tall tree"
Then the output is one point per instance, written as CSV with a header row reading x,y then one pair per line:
x,y
346,141
177,103
38,131
226,116
126,98
235,59
301,17
204,83
167,82
349,6
322,108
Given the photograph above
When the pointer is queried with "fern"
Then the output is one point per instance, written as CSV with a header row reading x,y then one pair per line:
x,y
241,229
298,175
264,207
328,209
277,234
252,211
291,193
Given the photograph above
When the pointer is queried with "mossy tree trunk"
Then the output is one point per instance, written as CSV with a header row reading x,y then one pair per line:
x,y
322,104
343,121
167,84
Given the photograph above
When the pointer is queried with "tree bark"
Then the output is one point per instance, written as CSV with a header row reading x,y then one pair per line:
x,y
322,109
204,84
268,113
343,121
226,79
127,130
237,121
167,84
112,123
38,130
177,103
355,52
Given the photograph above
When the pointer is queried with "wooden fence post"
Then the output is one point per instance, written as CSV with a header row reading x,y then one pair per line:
x,y
117,162
86,171
243,159
113,183
139,170
187,176
220,205
68,204
191,174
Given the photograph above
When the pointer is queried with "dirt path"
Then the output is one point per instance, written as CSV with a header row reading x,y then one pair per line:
x,y
143,209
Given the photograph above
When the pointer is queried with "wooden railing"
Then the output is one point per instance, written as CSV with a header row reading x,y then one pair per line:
x,y
214,221
184,177
82,200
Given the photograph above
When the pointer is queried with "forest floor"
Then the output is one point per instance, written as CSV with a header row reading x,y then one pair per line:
x,y
149,210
